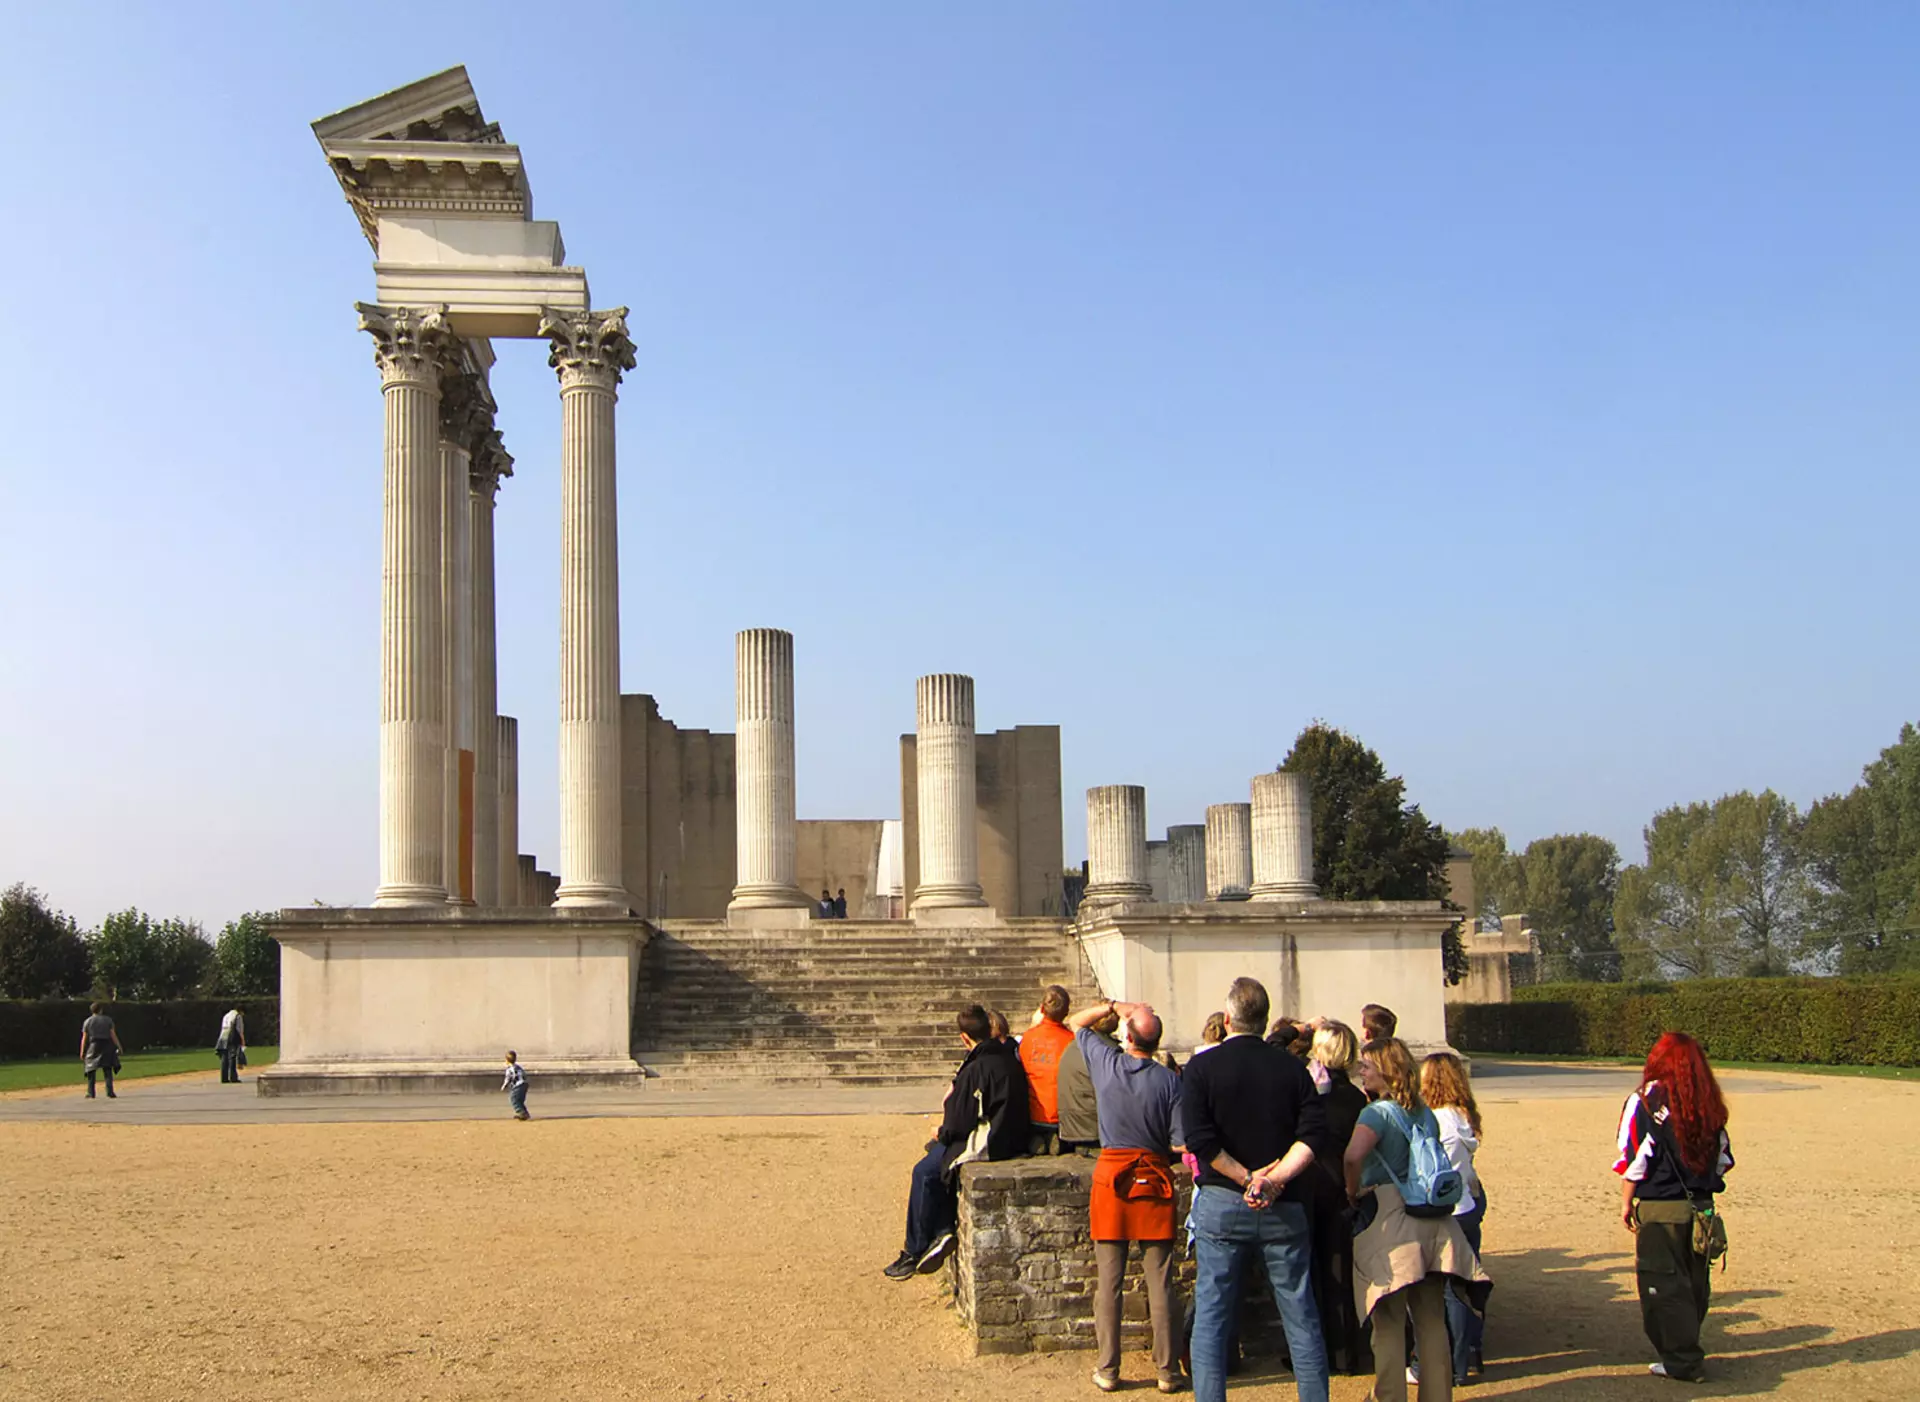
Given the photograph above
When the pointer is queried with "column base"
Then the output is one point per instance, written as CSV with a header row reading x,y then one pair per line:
x,y
770,897
410,895
586,897
1117,893
957,896
1231,893
1284,891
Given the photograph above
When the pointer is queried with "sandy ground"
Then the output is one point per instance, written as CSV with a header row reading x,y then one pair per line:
x,y
740,1258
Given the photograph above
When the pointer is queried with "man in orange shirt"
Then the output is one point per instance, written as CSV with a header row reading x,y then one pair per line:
x,y
1040,1053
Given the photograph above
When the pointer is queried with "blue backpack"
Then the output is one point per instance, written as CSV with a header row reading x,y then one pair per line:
x,y
1433,1187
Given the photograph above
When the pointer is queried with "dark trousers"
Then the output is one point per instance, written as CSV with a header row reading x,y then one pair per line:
x,y
933,1207
517,1098
104,1071
1674,1286
230,1065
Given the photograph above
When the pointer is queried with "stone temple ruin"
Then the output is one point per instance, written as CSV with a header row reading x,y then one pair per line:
x,y
680,941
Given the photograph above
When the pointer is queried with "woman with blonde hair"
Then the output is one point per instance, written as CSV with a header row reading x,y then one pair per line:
x,y
1402,1260
1331,1059
1448,1091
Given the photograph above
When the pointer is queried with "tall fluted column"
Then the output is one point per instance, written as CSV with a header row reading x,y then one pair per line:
x,y
763,769
412,347
1229,851
1283,838
949,840
491,462
1117,845
1186,863
590,351
507,751
462,404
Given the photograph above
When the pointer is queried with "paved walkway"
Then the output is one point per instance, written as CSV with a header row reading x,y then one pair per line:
x,y
202,1100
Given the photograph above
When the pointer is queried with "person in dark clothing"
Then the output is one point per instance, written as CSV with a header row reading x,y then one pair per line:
x,y
1674,1156
99,1048
1334,1052
985,1117
1073,1087
840,904
1255,1124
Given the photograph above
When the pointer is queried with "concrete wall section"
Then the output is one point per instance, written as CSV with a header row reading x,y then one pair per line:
x,y
454,993
1315,957
842,852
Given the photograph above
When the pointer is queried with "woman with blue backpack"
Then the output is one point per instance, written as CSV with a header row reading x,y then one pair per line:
x,y
1408,1246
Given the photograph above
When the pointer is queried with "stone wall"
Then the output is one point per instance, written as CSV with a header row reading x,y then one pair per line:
x,y
832,853
1022,1274
678,832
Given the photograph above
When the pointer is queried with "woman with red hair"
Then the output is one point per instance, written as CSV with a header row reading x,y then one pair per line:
x,y
1674,1156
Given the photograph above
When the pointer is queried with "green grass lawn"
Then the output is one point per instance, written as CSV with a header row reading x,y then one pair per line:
x,y
1877,1073
65,1070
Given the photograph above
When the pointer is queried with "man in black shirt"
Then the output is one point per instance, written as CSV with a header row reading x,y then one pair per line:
x,y
1254,1122
985,1117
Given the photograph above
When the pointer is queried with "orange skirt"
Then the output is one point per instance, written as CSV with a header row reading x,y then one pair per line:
x,y
1132,1198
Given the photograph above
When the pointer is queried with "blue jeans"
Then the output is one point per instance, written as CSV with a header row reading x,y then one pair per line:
x,y
1226,1233
517,1098
932,1205
1464,1328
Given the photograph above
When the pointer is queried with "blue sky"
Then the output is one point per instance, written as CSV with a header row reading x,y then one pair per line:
x,y
1528,389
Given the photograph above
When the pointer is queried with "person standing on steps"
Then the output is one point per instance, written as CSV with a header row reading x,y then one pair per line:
x,y
1674,1157
840,904
1132,1198
99,1048
984,1117
230,1044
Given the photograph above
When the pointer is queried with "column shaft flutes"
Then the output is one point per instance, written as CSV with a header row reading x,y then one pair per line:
x,y
1283,838
764,770
490,464
948,795
456,602
1229,850
590,350
1117,845
412,348
507,747
1186,863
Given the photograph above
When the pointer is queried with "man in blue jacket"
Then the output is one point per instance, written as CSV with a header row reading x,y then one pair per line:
x,y
985,1117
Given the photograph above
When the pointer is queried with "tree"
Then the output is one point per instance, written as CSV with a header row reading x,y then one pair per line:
x,y
1495,870
1566,885
1862,851
247,958
1723,890
137,957
1369,843
41,952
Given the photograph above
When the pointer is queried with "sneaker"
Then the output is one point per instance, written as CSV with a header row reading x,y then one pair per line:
x,y
902,1267
1106,1382
1172,1384
1659,1370
1413,1376
936,1254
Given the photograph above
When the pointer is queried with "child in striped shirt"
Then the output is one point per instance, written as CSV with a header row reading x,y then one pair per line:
x,y
515,1086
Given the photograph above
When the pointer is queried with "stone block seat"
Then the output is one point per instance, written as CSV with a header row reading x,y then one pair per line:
x,y
834,1003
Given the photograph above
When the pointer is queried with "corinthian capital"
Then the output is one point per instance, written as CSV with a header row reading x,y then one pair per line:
x,y
466,409
491,461
589,348
409,343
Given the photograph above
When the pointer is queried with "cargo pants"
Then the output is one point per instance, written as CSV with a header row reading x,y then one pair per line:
x,y
1674,1285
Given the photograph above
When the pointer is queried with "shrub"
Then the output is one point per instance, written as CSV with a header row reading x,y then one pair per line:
x,y
51,1027
1832,1022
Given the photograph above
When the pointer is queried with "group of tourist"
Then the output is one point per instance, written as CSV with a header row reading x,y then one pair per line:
x,y
1333,1160
831,906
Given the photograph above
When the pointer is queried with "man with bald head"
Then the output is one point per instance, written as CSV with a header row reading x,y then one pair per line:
x,y
1138,1103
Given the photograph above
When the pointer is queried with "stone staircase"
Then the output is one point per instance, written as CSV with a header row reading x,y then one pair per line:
x,y
865,1003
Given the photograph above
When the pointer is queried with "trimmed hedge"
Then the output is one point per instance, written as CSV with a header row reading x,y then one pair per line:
x,y
1817,1021
51,1026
